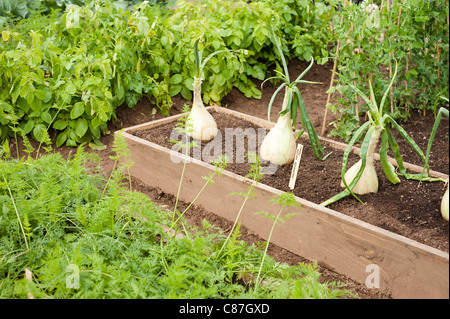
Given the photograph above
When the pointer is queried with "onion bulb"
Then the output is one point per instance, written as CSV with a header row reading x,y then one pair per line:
x,y
444,205
279,146
368,182
201,124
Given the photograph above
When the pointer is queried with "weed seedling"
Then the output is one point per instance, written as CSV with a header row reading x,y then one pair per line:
x,y
255,175
284,200
121,151
183,127
220,164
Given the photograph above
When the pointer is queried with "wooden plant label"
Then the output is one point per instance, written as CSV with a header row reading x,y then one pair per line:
x,y
298,156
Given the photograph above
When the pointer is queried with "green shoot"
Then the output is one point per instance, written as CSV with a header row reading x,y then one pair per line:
x,y
284,200
183,126
122,154
442,111
220,164
255,175
295,100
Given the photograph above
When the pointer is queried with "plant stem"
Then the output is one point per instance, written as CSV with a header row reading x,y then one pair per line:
x,y
179,190
17,213
190,204
236,220
324,123
373,144
257,282
109,178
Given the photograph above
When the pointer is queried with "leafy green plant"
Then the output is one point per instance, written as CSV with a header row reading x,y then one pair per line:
x,y
184,128
121,160
16,9
60,227
70,69
279,146
255,176
415,33
437,121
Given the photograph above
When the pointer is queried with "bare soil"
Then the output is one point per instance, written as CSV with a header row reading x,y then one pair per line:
x,y
416,215
410,208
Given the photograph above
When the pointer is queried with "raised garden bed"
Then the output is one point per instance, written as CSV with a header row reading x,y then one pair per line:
x,y
411,251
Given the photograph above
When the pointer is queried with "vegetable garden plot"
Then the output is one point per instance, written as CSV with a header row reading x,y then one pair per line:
x,y
344,243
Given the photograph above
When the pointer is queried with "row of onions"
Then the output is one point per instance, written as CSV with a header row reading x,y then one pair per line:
x,y
279,146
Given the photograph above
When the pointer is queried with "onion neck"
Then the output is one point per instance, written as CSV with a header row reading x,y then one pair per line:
x,y
197,101
286,117
373,145
287,91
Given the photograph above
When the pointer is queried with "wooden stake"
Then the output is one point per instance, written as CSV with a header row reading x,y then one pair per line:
x,y
446,4
438,55
406,81
391,95
332,77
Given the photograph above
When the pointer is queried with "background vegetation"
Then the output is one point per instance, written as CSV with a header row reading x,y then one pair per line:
x,y
79,235
69,70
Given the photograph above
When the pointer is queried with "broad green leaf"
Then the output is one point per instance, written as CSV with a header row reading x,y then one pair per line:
x,y
174,89
216,44
71,143
96,121
46,117
70,89
40,94
81,127
5,35
60,125
28,126
62,137
220,79
77,110
176,79
186,93
34,103
97,145
189,83
39,132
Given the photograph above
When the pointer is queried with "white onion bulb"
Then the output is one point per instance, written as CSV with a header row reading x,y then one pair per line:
x,y
278,147
203,127
444,205
368,182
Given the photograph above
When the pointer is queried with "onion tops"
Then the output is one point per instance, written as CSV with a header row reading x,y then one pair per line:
x,y
361,178
279,146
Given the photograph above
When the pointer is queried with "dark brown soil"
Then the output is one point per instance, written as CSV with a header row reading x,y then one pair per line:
x,y
315,100
408,209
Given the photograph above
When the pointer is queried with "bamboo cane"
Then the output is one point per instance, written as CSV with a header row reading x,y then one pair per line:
x,y
332,77
391,93
424,111
406,81
438,54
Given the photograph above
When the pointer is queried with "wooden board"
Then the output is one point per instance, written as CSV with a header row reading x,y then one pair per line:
x,y
407,269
